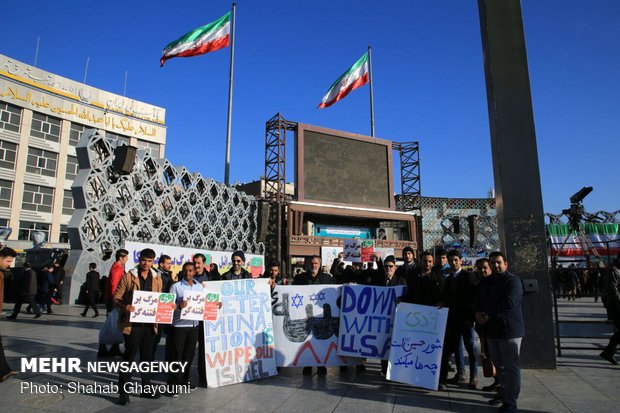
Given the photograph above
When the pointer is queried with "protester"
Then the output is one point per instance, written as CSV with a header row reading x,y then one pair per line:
x,y
92,289
391,280
483,270
313,277
27,290
214,272
202,274
116,273
406,270
612,302
273,273
138,336
459,296
424,286
7,255
185,332
499,309
441,262
164,267
237,271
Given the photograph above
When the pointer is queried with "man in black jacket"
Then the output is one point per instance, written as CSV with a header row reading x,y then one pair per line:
x,y
59,280
27,292
237,271
424,286
92,289
459,296
611,283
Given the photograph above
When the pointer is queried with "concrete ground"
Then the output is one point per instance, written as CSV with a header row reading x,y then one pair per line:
x,y
582,383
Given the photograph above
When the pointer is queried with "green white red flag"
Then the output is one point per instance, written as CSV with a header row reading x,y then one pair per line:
x,y
204,39
356,76
601,236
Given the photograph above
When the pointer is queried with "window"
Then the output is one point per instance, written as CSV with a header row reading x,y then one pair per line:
x,y
72,167
64,235
120,139
151,147
67,203
26,228
8,154
41,162
75,133
10,117
6,189
45,127
38,198
4,223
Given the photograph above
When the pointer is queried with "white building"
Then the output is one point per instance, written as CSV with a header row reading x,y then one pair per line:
x,y
42,116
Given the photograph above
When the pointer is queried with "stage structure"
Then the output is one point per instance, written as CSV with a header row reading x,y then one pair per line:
x,y
121,194
343,188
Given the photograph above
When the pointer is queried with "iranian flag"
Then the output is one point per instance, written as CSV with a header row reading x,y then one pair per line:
x,y
601,235
205,39
356,76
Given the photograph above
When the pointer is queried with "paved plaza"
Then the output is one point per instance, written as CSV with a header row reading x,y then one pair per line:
x,y
582,383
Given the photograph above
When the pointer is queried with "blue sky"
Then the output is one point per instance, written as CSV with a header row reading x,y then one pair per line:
x,y
428,80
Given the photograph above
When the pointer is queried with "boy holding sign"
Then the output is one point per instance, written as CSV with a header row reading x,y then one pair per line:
x,y
138,336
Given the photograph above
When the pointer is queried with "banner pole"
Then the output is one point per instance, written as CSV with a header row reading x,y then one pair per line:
x,y
372,101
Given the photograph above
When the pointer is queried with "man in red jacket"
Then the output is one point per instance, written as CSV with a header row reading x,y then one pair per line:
x,y
116,273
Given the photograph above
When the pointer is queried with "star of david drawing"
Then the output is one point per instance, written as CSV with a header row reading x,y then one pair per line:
x,y
320,296
313,297
297,300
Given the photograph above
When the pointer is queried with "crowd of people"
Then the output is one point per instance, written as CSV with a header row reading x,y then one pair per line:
x,y
485,309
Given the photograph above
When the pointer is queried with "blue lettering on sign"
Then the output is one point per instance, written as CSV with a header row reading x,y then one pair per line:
x,y
368,300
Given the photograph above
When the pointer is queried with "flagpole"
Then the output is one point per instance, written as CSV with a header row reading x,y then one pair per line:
x,y
230,94
372,101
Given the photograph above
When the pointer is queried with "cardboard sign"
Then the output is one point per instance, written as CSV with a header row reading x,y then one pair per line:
x,y
201,305
417,345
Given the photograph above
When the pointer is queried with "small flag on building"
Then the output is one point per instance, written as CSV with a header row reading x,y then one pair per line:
x,y
205,39
356,76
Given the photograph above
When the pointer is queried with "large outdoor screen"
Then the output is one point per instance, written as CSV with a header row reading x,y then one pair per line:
x,y
345,170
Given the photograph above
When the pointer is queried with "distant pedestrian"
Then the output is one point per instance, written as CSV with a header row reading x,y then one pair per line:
x,y
92,289
59,281
7,255
27,290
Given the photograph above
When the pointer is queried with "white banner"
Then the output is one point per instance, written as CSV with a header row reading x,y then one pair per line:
x,y
305,321
417,345
366,319
239,345
201,305
254,264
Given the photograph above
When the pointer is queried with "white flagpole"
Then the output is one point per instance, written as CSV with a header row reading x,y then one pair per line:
x,y
372,102
230,94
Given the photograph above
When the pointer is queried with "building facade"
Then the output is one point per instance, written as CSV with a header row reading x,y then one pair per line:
x,y
42,117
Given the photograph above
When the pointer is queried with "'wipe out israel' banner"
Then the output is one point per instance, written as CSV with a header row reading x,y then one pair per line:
x,y
366,319
239,344
417,345
305,321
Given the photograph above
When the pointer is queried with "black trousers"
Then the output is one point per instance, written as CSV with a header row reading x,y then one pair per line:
x,y
140,339
91,301
4,365
202,367
183,349
25,299
614,341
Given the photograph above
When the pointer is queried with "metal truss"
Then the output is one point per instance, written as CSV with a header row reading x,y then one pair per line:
x,y
275,178
409,199
155,203
599,217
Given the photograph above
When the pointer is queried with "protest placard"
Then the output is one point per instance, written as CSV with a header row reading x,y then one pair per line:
x,y
367,250
150,307
239,344
305,321
352,250
417,345
201,305
366,319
